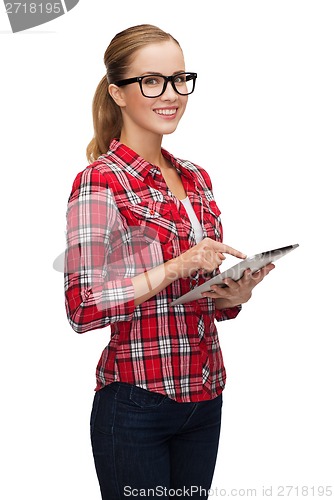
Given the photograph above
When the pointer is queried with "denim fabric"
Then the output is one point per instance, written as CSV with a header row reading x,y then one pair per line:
x,y
148,445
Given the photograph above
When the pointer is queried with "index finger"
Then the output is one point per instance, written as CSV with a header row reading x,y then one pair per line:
x,y
221,247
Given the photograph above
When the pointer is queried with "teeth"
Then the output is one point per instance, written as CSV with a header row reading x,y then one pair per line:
x,y
165,111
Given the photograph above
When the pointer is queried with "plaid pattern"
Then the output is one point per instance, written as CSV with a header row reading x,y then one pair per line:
x,y
122,219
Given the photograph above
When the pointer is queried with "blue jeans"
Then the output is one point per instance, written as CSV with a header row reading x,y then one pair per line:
x,y
148,445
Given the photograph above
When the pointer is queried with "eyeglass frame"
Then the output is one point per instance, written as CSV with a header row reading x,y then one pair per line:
x,y
167,79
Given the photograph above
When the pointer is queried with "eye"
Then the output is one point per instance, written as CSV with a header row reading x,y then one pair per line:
x,y
179,79
152,81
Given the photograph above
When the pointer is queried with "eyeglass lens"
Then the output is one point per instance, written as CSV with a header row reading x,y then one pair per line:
x,y
153,85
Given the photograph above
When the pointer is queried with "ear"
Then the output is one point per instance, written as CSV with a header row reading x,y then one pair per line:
x,y
117,94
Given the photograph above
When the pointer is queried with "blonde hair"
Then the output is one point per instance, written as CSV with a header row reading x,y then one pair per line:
x,y
107,116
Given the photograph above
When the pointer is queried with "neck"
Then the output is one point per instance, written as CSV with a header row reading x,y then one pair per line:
x,y
145,145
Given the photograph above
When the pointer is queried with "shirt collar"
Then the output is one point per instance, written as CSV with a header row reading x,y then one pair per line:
x,y
130,160
138,166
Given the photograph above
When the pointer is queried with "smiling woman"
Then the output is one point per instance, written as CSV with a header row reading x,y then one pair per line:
x,y
143,228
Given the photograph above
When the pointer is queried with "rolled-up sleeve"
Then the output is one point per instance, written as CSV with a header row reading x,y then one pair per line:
x,y
94,295
229,313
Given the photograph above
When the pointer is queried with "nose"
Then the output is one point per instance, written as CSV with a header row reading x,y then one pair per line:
x,y
169,94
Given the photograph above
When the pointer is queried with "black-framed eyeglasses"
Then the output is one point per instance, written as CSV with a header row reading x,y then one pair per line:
x,y
154,85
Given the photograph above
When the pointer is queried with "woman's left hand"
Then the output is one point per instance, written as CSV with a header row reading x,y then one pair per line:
x,y
237,292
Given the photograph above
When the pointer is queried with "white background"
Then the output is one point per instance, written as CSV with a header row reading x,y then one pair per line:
x,y
261,123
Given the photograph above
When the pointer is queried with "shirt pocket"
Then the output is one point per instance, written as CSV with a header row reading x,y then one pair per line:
x,y
155,220
212,221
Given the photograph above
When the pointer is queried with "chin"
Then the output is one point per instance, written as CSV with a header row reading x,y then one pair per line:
x,y
168,129
169,132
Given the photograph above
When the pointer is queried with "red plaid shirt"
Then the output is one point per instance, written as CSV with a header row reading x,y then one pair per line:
x,y
122,219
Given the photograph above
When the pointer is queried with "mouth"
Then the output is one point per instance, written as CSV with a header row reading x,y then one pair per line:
x,y
166,112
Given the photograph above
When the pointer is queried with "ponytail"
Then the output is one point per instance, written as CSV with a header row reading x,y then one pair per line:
x,y
107,121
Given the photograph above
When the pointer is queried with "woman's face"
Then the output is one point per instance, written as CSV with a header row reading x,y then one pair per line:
x,y
159,115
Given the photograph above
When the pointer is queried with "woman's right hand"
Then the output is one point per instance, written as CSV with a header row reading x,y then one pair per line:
x,y
207,255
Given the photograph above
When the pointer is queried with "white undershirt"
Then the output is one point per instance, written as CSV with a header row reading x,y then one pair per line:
x,y
193,219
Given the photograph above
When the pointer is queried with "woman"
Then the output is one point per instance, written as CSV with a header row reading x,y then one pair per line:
x,y
142,229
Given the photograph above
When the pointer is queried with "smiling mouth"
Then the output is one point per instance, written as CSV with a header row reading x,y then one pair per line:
x,y
166,112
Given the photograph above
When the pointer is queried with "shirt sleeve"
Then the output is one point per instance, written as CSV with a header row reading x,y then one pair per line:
x,y
229,313
94,295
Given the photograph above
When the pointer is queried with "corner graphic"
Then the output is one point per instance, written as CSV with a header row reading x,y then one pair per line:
x,y
25,15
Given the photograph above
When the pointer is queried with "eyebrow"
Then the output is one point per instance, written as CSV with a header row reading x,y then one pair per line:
x,y
160,74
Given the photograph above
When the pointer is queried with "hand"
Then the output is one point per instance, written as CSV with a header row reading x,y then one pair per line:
x,y
238,292
208,254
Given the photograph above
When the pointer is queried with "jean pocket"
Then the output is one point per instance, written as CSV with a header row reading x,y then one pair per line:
x,y
94,411
146,399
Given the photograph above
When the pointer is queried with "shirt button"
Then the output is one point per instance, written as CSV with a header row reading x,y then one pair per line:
x,y
152,212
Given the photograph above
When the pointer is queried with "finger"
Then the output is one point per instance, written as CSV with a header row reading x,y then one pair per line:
x,y
231,284
234,252
257,278
265,270
221,247
247,276
212,260
269,267
216,292
261,273
211,295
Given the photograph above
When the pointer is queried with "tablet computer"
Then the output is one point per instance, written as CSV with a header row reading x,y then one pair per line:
x,y
253,263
